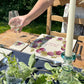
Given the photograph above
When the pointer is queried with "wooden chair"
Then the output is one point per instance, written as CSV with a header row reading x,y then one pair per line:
x,y
79,48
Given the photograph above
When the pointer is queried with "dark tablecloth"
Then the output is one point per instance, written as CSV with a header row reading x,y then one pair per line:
x,y
23,57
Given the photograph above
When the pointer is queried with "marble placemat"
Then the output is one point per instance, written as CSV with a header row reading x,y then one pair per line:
x,y
48,47
18,46
5,51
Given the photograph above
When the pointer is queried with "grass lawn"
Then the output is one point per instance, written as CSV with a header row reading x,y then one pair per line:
x,y
3,27
33,27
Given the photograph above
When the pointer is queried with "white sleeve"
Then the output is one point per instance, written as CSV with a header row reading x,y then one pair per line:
x,y
64,24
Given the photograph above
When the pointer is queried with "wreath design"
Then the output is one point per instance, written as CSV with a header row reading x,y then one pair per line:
x,y
37,45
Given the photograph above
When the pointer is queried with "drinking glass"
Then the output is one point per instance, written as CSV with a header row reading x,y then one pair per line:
x,y
10,73
13,80
13,14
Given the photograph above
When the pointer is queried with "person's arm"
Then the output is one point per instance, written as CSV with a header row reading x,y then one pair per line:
x,y
38,9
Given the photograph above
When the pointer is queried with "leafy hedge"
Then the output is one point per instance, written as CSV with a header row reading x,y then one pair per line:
x,y
23,6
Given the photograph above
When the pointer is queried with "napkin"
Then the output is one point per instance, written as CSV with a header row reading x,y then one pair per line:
x,y
19,46
5,51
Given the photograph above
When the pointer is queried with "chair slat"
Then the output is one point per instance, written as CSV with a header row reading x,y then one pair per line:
x,y
65,19
60,2
54,33
59,18
82,53
79,37
78,50
79,21
63,2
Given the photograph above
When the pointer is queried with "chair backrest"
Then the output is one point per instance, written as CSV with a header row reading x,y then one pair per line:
x,y
51,17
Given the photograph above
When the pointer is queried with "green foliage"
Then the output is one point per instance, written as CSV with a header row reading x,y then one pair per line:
x,y
23,6
75,81
20,70
3,27
77,76
36,28
32,61
47,66
23,71
41,78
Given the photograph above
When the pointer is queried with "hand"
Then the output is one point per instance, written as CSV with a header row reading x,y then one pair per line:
x,y
18,22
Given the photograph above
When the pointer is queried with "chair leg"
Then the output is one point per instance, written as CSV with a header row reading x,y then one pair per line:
x,y
82,53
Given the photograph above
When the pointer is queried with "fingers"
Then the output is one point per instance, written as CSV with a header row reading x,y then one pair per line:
x,y
14,21
21,26
16,24
20,29
15,29
11,21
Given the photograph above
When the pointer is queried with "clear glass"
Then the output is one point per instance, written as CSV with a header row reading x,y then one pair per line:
x,y
11,77
13,14
65,76
13,80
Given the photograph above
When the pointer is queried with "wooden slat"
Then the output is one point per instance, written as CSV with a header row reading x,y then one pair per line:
x,y
80,43
82,53
65,19
60,2
79,21
78,50
78,63
80,38
79,5
54,33
76,46
59,18
48,25
63,2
